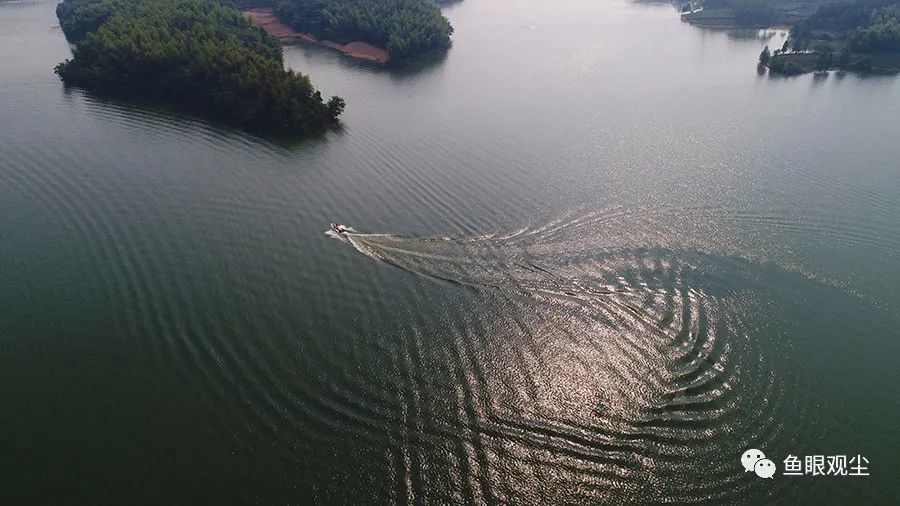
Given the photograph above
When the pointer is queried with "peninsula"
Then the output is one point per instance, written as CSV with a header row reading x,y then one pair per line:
x,y
858,35
862,36
200,56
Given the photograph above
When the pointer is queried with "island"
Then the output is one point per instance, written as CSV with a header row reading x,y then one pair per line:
x,y
387,31
200,56
863,35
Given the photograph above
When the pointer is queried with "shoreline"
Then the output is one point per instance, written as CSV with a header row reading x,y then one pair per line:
x,y
729,24
265,18
718,23
799,63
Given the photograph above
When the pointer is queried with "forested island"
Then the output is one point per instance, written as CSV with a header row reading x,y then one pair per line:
x,y
407,29
198,55
863,35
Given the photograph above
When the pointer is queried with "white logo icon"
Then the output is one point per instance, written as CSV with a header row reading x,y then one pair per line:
x,y
750,457
756,461
764,468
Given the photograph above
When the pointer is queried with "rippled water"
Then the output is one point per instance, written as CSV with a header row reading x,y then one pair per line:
x,y
598,257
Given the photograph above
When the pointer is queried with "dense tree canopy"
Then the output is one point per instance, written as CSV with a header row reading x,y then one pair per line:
x,y
406,28
866,25
77,18
784,66
882,33
754,12
195,54
839,17
860,35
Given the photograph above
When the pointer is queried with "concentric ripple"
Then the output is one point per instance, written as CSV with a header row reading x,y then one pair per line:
x,y
615,368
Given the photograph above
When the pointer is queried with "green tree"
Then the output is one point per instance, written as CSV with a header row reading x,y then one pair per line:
x,y
765,56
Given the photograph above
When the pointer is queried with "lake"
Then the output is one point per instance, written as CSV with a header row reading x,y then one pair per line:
x,y
600,256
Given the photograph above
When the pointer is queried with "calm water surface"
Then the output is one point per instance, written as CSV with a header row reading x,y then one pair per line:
x,y
601,258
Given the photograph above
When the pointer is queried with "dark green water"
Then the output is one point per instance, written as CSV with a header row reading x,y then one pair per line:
x,y
603,258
